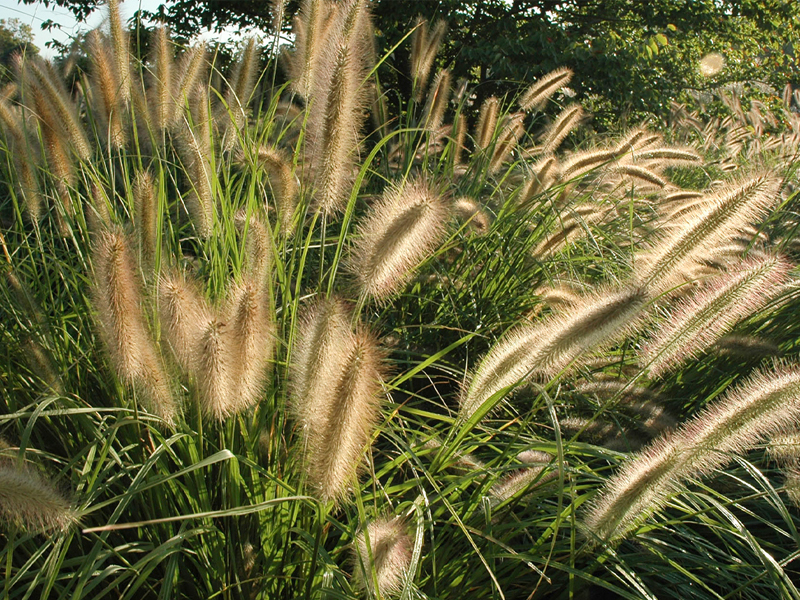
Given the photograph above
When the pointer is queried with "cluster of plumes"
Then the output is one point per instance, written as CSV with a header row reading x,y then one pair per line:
x,y
225,352
29,499
768,402
704,271
699,270
690,286
128,108
329,68
634,165
337,378
746,132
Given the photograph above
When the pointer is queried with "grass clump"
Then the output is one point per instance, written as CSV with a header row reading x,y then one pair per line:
x,y
270,348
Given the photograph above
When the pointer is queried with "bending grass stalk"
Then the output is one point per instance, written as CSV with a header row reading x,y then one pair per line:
x,y
766,403
697,323
544,350
732,208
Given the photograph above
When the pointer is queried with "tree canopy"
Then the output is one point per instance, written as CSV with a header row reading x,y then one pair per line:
x,y
15,36
631,57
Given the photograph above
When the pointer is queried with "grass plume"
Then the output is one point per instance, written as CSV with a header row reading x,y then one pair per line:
x,y
697,323
567,120
543,350
119,304
540,92
731,208
145,199
424,47
399,232
184,314
382,557
29,499
487,122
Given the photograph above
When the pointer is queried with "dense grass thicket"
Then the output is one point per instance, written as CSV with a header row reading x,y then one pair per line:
x,y
267,341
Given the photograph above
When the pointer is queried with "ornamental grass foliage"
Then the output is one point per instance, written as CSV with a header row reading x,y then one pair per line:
x,y
268,340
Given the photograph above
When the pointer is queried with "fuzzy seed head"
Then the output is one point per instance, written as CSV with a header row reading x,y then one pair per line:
x,y
242,83
580,163
321,345
191,71
105,87
387,559
334,129
258,248
543,174
348,413
637,139
399,232
470,212
24,163
184,315
570,229
792,486
119,42
727,211
697,323
519,481
436,104
540,92
146,215
424,47
28,499
544,350
635,172
252,339
199,199
784,447
61,106
510,133
746,346
217,388
163,106
124,328
487,122
567,120
335,395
